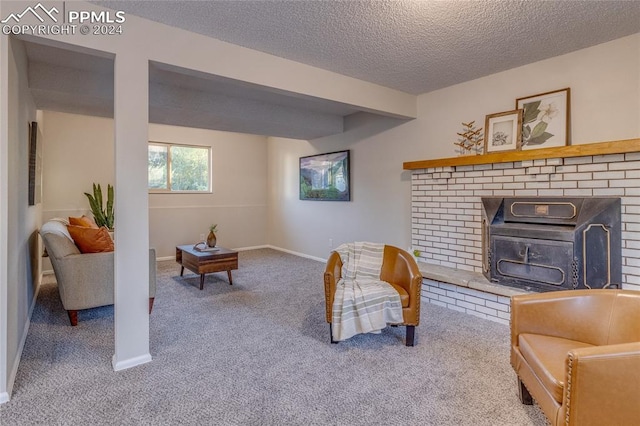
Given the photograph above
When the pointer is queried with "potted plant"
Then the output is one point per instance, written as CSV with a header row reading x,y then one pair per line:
x,y
211,238
416,254
103,216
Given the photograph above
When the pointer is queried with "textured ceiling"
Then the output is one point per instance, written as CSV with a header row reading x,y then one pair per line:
x,y
410,45
413,46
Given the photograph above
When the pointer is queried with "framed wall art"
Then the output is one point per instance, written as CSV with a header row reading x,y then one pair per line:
x,y
325,177
545,119
502,131
35,165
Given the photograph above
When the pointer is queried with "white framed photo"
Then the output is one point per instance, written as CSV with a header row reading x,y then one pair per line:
x,y
503,131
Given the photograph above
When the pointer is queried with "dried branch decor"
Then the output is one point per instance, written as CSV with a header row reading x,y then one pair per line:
x,y
471,140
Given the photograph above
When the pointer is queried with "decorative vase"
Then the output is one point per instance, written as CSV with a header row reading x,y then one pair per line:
x,y
211,239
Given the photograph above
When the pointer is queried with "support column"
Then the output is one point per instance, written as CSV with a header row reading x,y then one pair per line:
x,y
131,117
4,216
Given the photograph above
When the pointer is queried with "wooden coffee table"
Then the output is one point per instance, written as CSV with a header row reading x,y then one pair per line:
x,y
205,262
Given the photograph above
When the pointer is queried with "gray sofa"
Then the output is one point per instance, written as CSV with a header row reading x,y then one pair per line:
x,y
84,280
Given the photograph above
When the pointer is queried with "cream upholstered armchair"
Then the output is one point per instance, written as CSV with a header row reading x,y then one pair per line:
x,y
84,280
577,353
399,269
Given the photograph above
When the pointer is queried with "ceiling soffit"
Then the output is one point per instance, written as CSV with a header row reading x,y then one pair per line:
x,y
65,80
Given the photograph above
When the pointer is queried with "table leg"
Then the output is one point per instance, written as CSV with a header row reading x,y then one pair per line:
x,y
229,275
181,270
201,281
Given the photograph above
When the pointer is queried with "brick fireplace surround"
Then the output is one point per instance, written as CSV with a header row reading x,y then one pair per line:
x,y
446,211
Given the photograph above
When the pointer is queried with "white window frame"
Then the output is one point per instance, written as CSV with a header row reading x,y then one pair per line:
x,y
170,145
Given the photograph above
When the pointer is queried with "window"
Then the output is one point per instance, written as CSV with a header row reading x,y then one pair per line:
x,y
179,168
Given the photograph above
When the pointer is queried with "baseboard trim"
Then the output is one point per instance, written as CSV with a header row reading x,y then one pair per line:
x,y
295,253
130,363
23,340
252,248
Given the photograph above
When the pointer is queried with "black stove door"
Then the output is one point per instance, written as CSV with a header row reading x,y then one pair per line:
x,y
531,264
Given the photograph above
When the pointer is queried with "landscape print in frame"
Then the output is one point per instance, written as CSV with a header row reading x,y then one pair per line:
x,y
325,177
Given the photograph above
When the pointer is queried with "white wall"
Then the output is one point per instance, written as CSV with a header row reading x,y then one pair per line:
x,y
605,105
79,151
379,209
238,203
20,263
605,96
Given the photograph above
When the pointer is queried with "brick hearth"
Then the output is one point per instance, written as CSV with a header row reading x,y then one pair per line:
x,y
446,206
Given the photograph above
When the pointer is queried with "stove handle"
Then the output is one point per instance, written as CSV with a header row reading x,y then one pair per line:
x,y
525,255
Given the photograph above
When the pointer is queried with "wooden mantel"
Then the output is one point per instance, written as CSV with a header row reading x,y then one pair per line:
x,y
601,148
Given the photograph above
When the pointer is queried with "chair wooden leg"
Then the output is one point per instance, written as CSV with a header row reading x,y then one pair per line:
x,y
331,335
523,393
151,299
410,337
73,317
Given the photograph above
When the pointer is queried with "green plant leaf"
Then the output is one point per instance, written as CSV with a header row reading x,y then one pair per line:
x,y
530,112
97,193
540,128
109,214
526,131
101,216
540,139
92,202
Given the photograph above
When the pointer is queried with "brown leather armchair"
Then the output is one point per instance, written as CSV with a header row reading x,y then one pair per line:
x,y
400,270
577,353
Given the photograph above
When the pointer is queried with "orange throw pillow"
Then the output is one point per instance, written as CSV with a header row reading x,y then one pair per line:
x,y
91,240
85,221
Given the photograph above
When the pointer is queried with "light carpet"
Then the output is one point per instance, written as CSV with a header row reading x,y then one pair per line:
x,y
258,353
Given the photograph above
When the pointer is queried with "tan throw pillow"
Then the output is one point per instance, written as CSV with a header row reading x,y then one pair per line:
x,y
85,221
91,240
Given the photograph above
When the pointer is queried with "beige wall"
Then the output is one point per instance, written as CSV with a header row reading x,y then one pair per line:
x,y
379,209
79,151
238,203
605,105
20,264
605,96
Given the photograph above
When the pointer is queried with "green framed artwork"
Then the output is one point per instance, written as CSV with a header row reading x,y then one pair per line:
x,y
325,177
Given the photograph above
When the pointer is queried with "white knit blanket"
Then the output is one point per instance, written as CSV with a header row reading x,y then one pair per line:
x,y
362,303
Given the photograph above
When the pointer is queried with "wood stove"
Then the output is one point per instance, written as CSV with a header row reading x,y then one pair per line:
x,y
552,243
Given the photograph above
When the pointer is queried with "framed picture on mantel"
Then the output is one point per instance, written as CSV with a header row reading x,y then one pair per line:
x,y
545,120
502,131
